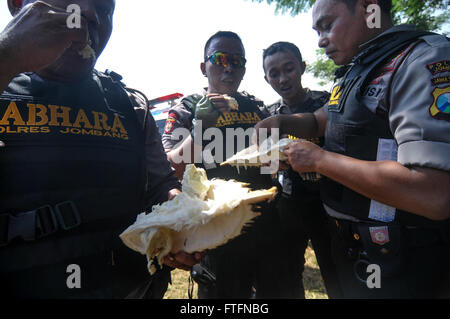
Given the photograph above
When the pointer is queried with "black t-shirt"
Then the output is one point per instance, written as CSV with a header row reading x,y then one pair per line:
x,y
293,185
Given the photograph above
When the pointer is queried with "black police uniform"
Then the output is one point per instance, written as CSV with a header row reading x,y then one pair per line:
x,y
409,254
302,215
253,258
81,161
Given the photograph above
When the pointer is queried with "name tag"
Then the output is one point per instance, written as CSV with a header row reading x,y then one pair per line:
x,y
387,150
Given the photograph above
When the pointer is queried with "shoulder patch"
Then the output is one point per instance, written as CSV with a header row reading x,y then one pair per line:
x,y
169,127
440,109
439,67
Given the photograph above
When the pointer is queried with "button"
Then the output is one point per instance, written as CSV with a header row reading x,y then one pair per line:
x,y
356,236
384,251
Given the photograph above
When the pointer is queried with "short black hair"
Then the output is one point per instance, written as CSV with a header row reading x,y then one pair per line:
x,y
282,47
221,34
385,5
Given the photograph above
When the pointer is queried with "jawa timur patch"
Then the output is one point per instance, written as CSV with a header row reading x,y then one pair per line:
x,y
440,109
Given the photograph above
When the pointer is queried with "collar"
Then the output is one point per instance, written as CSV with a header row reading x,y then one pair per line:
x,y
295,107
394,29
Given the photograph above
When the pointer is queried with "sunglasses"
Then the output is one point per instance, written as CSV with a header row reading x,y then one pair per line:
x,y
224,59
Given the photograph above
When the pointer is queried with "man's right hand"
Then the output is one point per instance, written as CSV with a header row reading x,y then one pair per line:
x,y
263,128
37,36
219,102
182,260
301,125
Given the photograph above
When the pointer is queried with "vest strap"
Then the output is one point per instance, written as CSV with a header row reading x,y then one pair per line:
x,y
39,223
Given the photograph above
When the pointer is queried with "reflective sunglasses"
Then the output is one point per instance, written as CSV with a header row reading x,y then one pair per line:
x,y
224,59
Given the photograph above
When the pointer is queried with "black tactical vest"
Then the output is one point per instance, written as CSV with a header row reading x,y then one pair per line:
x,y
72,180
353,130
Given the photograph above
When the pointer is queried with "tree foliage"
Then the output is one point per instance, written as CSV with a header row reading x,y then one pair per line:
x,y
323,68
293,7
426,14
430,15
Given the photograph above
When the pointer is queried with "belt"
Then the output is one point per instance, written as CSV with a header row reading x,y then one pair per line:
x,y
416,235
38,223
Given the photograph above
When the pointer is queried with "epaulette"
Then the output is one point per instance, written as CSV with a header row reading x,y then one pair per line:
x,y
116,77
435,39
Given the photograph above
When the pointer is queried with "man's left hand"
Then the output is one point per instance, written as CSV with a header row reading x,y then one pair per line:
x,y
303,156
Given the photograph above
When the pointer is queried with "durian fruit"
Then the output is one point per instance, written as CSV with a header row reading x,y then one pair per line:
x,y
232,102
255,156
207,214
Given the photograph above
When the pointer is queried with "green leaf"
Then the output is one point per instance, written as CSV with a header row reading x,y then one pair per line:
x,y
429,15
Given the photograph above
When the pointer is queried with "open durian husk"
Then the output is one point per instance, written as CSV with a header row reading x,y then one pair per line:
x,y
207,214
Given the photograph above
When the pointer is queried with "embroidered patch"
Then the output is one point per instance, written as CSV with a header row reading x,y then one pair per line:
x,y
440,109
440,80
335,96
439,67
389,67
170,123
379,235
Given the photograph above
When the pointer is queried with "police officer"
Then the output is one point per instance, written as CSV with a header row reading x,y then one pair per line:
x,y
251,259
302,214
81,157
386,152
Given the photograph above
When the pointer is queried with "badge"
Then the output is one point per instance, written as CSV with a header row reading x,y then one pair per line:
x,y
379,235
439,67
440,109
335,96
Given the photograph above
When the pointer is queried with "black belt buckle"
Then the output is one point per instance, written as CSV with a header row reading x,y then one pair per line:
x,y
29,225
67,215
45,221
